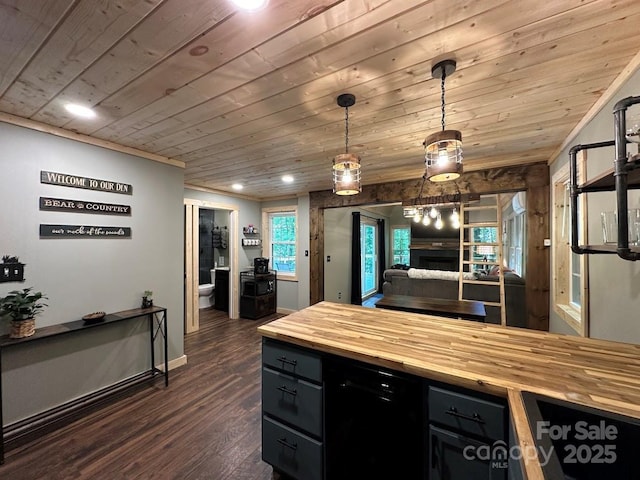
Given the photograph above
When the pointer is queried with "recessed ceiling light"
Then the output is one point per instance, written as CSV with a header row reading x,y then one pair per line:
x,y
237,186
250,4
79,110
287,179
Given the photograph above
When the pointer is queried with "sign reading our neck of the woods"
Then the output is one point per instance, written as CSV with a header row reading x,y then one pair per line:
x,y
87,183
83,206
83,231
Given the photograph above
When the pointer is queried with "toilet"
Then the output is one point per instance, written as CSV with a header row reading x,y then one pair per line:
x,y
205,292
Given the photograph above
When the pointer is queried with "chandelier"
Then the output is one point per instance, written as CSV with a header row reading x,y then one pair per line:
x,y
432,210
346,166
443,150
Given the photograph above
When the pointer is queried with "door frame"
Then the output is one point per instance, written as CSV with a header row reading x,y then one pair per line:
x,y
364,222
191,260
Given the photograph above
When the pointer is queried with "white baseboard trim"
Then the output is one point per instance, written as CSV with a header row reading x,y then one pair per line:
x,y
285,311
175,363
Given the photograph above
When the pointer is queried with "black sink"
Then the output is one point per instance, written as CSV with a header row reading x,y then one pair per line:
x,y
575,442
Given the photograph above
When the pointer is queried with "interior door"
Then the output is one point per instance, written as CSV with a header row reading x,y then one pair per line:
x,y
368,256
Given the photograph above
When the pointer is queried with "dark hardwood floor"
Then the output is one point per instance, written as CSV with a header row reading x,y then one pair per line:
x,y
205,425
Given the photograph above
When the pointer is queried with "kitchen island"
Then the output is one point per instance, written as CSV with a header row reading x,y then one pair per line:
x,y
484,358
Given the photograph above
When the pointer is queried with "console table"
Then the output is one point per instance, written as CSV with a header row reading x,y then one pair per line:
x,y
157,318
465,309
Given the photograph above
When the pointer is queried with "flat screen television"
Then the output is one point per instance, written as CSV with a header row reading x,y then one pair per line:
x,y
429,233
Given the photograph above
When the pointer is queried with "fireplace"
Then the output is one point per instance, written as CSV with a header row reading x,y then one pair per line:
x,y
437,263
436,259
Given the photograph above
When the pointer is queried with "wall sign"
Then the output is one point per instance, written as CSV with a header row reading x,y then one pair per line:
x,y
87,183
83,231
83,206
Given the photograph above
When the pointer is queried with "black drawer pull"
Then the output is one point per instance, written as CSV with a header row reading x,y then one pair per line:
x,y
284,360
284,389
474,418
284,443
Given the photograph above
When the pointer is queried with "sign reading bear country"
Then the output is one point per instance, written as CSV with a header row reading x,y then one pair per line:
x,y
83,206
87,183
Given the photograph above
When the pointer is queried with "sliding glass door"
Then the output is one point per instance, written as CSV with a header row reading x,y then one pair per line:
x,y
368,256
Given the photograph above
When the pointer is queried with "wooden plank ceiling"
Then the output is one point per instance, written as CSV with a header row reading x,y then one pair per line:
x,y
248,97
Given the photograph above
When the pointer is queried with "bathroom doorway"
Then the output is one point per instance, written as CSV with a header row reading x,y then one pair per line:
x,y
205,248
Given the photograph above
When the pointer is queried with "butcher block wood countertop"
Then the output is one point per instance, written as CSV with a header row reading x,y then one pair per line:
x,y
501,360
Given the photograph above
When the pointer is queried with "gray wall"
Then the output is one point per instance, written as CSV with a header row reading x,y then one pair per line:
x,y
614,284
86,275
294,295
291,295
337,245
248,213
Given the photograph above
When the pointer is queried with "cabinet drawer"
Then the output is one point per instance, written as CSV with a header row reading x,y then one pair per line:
x,y
292,360
293,400
454,456
291,452
467,414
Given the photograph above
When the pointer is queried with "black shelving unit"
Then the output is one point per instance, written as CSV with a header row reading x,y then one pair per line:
x,y
624,176
258,294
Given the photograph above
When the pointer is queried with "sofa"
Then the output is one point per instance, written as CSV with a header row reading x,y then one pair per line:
x,y
399,282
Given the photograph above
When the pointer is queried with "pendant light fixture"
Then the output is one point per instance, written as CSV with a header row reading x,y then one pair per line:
x,y
443,150
346,166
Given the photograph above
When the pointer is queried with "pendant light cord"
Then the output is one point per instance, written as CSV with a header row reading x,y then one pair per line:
x,y
444,74
346,129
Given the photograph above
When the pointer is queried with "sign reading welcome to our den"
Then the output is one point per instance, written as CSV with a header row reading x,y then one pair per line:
x,y
87,183
83,231
83,206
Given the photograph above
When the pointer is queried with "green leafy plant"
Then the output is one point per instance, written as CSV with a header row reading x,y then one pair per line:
x,y
147,294
22,304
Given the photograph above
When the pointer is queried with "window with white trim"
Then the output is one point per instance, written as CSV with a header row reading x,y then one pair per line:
x,y
570,270
400,241
281,239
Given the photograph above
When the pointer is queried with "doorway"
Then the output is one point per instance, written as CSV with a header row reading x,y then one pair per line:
x,y
227,215
368,256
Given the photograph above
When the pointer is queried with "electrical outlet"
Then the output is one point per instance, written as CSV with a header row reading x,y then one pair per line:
x,y
339,295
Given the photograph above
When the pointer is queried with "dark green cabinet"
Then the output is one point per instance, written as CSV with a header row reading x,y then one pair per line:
x,y
459,434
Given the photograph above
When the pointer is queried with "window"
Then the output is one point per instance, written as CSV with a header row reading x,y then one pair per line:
x,y
570,270
368,256
281,239
400,240
514,240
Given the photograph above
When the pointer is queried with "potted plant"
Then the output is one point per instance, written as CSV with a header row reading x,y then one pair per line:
x,y
21,306
147,301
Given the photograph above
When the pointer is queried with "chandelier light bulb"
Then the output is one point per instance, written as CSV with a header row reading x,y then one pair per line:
x,y
417,217
433,212
439,223
454,216
346,176
426,220
443,155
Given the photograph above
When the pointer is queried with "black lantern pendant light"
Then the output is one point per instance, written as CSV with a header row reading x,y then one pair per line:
x,y
346,166
443,150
